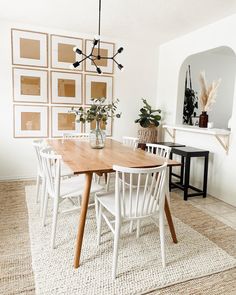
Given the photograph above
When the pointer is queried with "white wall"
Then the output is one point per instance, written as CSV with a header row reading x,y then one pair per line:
x,y
222,182
217,63
17,159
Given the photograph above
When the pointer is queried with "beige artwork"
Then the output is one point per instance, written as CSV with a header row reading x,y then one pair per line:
x,y
66,121
101,62
66,53
30,121
66,87
30,85
98,89
29,48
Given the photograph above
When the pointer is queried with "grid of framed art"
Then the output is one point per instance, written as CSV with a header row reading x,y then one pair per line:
x,y
43,92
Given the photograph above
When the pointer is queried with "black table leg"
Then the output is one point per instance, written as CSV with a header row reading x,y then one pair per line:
x,y
182,171
205,176
186,177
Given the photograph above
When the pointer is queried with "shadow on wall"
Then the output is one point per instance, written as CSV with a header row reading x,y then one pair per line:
x,y
217,63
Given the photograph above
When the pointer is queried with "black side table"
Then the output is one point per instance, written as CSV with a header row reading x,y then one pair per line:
x,y
186,154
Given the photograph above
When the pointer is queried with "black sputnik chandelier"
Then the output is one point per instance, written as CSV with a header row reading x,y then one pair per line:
x,y
96,44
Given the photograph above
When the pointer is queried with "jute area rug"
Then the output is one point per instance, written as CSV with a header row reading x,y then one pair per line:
x,y
139,266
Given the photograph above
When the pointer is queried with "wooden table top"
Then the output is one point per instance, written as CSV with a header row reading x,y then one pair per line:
x,y
81,158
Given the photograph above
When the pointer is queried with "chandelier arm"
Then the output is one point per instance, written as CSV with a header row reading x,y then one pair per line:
x,y
115,61
115,54
97,68
85,54
84,58
94,62
91,53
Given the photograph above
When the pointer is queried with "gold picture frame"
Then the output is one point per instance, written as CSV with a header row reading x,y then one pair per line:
x,y
106,49
62,54
62,121
66,88
30,85
30,121
29,48
97,86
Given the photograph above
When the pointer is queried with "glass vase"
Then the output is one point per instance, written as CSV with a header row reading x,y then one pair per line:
x,y
97,137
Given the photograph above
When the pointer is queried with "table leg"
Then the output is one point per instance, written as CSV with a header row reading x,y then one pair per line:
x,y
170,222
82,219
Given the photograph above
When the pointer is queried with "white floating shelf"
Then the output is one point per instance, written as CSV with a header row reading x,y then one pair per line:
x,y
221,135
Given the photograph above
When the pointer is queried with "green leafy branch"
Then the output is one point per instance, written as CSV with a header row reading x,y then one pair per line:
x,y
98,111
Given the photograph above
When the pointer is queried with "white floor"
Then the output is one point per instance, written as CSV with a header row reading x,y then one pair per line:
x,y
216,208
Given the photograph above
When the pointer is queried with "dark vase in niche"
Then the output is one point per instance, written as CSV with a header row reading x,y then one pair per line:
x,y
203,120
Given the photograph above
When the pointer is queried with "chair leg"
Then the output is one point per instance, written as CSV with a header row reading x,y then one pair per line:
x,y
108,182
54,222
42,198
131,226
138,229
45,207
167,187
37,188
115,250
98,207
162,237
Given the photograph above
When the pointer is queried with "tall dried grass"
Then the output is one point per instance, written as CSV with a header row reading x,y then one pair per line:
x,y
208,93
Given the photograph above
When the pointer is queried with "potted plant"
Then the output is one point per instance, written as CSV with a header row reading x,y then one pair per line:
x,y
149,120
99,113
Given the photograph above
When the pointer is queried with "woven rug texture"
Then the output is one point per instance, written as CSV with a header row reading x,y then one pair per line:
x,y
16,273
139,266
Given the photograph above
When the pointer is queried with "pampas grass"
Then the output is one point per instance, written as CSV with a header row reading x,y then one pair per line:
x,y
208,93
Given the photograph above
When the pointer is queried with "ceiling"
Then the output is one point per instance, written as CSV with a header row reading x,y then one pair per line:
x,y
159,20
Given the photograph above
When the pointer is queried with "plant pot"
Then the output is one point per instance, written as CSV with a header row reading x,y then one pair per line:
x,y
203,120
149,134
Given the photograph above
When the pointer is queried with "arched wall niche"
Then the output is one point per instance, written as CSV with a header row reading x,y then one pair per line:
x,y
217,63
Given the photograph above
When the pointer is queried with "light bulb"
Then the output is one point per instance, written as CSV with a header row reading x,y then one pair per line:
x,y
97,37
74,49
71,67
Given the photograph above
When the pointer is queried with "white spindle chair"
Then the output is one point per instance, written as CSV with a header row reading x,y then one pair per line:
x,y
58,188
41,182
133,203
38,144
159,149
76,135
130,141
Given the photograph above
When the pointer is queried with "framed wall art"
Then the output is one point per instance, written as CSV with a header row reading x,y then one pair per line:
x,y
62,54
30,121
98,87
29,48
106,50
30,85
63,121
66,88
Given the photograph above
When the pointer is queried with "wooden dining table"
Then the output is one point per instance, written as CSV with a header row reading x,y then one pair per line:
x,y
82,159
